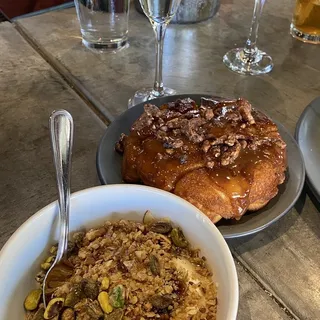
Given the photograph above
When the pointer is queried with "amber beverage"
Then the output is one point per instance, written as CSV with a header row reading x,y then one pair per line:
x,y
305,25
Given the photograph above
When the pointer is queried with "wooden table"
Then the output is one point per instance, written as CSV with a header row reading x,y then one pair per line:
x,y
44,67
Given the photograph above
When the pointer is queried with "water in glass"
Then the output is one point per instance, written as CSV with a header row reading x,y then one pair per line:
x,y
103,23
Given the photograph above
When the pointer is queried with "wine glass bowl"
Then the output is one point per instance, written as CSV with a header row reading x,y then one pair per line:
x,y
249,59
159,13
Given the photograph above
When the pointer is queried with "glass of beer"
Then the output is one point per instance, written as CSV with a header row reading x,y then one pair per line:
x,y
305,24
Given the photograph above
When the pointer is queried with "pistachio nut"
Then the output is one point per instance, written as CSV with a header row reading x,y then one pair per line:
x,y
78,237
162,227
160,302
117,296
40,276
71,247
53,308
178,238
105,305
105,283
154,265
90,288
53,249
39,314
32,300
74,296
148,217
45,266
47,263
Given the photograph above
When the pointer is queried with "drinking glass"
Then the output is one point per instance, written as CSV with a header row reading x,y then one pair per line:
x,y
250,60
103,23
159,13
305,24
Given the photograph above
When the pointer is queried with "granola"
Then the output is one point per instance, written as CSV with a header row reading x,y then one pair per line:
x,y
129,270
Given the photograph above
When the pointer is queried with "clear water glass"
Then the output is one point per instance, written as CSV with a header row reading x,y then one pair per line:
x,y
103,23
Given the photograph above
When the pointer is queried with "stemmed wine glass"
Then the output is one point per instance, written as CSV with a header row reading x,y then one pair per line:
x,y
160,13
250,60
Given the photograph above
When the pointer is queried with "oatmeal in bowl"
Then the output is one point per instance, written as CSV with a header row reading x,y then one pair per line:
x,y
170,262
128,270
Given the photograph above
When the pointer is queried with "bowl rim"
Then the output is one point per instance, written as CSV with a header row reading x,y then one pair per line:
x,y
234,298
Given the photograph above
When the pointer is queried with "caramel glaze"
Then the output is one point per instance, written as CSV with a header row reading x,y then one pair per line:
x,y
152,160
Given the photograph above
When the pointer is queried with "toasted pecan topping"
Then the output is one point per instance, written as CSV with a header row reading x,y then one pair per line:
x,y
119,145
182,122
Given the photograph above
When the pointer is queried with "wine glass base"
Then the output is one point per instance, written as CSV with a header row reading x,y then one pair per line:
x,y
237,61
146,94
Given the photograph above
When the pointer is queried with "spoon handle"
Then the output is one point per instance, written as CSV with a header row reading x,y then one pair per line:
x,y
61,131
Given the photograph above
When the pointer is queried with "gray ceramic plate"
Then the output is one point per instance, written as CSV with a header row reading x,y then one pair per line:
x,y
109,171
308,137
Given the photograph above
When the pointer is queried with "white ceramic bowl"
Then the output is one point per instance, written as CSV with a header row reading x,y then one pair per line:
x,y
24,251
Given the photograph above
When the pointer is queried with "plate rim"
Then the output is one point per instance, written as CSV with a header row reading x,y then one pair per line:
x,y
297,135
232,235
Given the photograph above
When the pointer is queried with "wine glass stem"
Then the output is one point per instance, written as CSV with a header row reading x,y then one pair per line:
x,y
160,30
250,48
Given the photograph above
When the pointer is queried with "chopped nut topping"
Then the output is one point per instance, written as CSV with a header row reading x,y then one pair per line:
x,y
170,151
177,144
231,154
174,123
243,143
152,110
161,135
206,146
164,128
167,145
216,151
245,111
120,144
208,114
210,164
180,120
196,138
183,159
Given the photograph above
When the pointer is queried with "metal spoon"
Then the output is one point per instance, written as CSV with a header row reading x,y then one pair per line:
x,y
61,132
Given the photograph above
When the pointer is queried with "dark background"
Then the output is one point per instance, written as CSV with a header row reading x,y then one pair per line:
x,y
14,8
